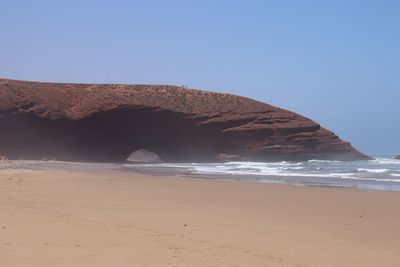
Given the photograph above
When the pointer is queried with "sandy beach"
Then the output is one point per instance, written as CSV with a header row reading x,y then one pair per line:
x,y
76,217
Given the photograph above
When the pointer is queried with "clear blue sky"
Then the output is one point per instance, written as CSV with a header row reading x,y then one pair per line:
x,y
337,62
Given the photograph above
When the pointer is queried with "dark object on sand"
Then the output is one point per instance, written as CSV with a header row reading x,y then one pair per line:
x,y
105,122
144,156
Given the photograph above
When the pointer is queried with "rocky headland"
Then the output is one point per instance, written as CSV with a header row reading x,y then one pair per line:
x,y
106,122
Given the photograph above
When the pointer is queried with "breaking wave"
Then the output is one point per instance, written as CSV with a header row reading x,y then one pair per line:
x,y
373,174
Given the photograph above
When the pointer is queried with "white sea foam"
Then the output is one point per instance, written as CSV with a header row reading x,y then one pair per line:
x,y
373,170
386,161
381,172
321,161
294,168
374,179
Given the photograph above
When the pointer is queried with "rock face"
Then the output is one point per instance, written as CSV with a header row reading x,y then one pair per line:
x,y
144,156
105,122
397,157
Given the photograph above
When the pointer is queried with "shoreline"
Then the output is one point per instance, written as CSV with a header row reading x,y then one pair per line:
x,y
188,173
112,218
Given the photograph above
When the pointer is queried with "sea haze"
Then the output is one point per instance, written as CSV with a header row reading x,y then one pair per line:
x,y
383,173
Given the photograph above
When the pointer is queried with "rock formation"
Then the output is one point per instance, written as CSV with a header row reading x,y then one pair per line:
x,y
397,157
106,122
144,156
3,158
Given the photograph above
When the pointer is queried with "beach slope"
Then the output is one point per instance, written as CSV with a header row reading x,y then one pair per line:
x,y
84,218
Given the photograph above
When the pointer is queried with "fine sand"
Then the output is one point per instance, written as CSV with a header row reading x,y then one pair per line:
x,y
110,218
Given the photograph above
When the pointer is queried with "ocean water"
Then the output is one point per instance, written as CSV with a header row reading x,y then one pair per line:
x,y
383,173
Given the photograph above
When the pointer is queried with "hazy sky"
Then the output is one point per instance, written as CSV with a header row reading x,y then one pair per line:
x,y
337,62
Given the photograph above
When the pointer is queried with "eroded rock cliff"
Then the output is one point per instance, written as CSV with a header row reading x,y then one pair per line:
x,y
106,122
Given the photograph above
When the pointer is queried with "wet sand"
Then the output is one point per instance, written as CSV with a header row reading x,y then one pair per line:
x,y
90,215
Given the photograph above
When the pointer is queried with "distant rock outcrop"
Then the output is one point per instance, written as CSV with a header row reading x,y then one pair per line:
x,y
106,122
397,157
3,158
144,156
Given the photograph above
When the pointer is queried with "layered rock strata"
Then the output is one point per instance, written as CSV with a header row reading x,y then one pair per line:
x,y
106,122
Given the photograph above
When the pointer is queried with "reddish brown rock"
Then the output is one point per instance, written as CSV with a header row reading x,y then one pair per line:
x,y
3,158
105,122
